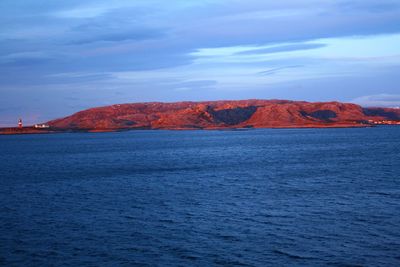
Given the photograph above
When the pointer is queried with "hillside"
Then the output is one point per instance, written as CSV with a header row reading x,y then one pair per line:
x,y
224,114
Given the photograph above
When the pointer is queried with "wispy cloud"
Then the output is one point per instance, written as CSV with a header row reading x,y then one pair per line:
x,y
380,100
275,70
282,48
131,35
89,12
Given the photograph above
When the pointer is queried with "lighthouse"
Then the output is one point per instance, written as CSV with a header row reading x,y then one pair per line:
x,y
20,123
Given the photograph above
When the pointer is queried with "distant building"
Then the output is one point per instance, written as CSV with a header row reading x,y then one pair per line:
x,y
42,126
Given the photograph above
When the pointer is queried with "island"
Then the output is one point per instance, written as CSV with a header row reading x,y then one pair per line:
x,y
235,114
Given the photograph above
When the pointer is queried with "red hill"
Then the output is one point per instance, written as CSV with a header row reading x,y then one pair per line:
x,y
224,114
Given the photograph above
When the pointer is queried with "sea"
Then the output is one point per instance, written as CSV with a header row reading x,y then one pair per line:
x,y
265,197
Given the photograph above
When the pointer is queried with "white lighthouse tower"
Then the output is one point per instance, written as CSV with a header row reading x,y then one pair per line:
x,y
20,123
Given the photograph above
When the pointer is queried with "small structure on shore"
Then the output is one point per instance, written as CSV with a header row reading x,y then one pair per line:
x,y
42,126
20,123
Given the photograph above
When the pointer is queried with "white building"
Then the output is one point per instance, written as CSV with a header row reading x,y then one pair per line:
x,y
42,126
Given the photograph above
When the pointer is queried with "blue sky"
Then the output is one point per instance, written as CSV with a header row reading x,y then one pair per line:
x,y
58,57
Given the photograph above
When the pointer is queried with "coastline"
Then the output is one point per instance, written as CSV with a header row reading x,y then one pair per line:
x,y
32,130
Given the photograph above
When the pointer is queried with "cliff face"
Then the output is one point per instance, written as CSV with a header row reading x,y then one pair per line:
x,y
223,114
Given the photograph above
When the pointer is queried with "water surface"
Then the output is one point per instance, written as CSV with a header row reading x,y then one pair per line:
x,y
279,197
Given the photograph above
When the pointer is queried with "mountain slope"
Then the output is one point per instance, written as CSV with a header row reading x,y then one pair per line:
x,y
223,114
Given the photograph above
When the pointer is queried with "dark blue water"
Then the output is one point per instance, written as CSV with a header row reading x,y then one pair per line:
x,y
306,197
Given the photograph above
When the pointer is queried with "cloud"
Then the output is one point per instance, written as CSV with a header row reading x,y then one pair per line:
x,y
368,5
77,77
172,48
380,100
26,59
195,85
131,35
83,12
281,48
275,70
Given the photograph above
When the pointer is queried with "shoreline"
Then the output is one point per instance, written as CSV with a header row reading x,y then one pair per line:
x,y
31,130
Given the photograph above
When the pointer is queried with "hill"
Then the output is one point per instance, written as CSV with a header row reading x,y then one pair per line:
x,y
225,115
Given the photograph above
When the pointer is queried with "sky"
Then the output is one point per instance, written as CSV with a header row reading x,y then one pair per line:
x,y
59,57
